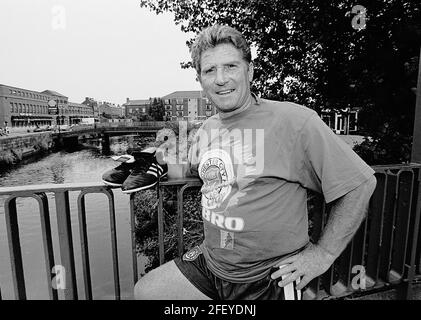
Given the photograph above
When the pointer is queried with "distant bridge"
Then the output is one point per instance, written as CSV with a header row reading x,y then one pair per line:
x,y
112,129
107,130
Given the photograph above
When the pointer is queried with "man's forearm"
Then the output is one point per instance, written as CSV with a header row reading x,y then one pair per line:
x,y
346,215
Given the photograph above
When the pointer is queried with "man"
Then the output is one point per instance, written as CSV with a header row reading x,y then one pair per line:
x,y
257,158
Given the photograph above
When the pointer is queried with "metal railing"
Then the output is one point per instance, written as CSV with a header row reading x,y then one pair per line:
x,y
385,251
386,248
60,193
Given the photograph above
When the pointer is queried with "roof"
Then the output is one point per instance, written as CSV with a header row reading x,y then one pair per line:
x,y
76,104
184,94
53,93
137,102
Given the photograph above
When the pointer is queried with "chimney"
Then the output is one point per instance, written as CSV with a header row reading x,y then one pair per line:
x,y
127,100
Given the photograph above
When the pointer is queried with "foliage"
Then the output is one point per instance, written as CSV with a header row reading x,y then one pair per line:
x,y
322,54
156,110
146,204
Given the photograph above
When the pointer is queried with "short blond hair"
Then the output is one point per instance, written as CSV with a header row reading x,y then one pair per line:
x,y
215,35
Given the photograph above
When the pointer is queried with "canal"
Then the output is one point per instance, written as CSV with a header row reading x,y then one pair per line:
x,y
85,164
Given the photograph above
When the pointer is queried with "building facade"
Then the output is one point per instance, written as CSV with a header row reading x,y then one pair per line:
x,y
187,105
25,108
108,110
77,111
343,121
136,109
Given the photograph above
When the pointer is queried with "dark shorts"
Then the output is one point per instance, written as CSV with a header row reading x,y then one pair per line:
x,y
193,266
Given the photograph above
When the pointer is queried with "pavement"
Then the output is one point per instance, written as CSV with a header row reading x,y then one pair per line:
x,y
21,134
352,139
349,139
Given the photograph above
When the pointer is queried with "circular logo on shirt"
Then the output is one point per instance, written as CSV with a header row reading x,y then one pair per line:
x,y
216,171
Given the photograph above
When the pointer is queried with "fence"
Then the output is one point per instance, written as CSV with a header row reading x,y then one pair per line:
x,y
384,253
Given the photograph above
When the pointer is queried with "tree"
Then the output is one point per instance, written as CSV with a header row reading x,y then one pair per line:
x,y
156,110
326,54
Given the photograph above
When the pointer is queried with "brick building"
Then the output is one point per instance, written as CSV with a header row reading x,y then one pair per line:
x,y
184,105
108,110
26,108
77,111
136,109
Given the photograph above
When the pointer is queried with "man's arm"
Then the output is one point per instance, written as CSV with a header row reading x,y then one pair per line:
x,y
346,215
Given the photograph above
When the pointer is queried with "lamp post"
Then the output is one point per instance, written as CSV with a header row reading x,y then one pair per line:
x,y
53,105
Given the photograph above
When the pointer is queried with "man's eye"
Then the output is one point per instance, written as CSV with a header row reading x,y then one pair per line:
x,y
209,71
232,66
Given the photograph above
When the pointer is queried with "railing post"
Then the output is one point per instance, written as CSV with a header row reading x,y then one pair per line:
x,y
406,291
416,139
66,243
15,248
415,158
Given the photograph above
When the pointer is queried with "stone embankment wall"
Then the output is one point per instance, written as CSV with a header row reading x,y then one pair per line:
x,y
14,149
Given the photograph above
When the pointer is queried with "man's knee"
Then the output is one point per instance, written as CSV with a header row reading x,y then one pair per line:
x,y
166,282
147,287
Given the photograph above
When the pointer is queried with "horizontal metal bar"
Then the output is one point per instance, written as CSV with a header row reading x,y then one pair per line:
x,y
31,189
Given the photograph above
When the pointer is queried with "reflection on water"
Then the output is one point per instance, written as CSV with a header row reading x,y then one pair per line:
x,y
71,166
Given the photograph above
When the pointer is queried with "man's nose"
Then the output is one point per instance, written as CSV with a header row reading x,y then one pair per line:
x,y
221,76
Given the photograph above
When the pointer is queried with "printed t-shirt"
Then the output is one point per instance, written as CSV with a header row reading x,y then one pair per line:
x,y
256,167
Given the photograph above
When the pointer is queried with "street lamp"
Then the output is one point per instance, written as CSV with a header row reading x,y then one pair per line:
x,y
53,104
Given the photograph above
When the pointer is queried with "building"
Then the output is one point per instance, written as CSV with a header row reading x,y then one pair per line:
x,y
343,121
60,108
136,109
27,108
187,105
108,110
93,104
77,111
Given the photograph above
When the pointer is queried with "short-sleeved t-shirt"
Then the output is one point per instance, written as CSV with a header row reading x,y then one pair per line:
x,y
256,167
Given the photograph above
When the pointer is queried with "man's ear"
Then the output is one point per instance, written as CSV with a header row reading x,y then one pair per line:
x,y
251,71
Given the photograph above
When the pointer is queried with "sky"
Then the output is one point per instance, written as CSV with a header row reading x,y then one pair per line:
x,y
109,50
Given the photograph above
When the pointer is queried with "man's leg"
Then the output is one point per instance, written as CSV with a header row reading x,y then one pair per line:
x,y
166,283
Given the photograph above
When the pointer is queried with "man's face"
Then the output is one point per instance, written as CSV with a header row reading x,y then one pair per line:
x,y
225,77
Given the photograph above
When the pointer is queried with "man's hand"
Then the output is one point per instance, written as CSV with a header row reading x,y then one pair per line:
x,y
309,263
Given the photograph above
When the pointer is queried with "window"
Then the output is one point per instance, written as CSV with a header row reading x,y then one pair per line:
x,y
11,107
179,107
168,113
209,107
180,101
208,113
168,107
179,113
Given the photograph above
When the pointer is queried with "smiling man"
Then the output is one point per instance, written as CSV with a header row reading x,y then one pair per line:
x,y
257,158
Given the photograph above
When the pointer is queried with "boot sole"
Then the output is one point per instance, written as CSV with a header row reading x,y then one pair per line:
x,y
143,187
112,184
